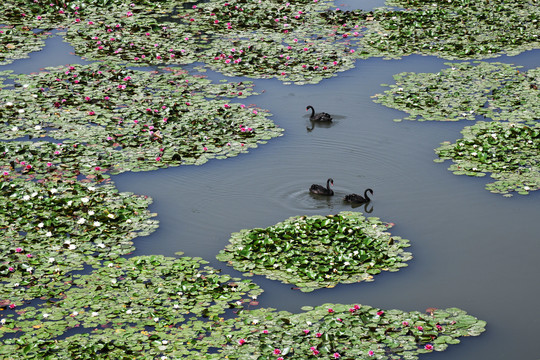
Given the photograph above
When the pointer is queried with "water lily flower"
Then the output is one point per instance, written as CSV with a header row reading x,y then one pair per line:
x,y
277,351
370,353
428,347
336,355
241,341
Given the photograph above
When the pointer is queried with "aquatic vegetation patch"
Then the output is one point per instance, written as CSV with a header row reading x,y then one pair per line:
x,y
52,227
456,30
16,42
298,41
509,151
318,251
135,120
464,91
156,306
333,331
140,307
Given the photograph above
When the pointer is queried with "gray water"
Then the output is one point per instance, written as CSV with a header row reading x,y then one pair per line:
x,y
472,249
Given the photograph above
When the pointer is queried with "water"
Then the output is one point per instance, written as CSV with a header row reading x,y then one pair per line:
x,y
472,249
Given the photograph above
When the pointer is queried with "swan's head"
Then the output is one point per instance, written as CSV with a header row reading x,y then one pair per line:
x,y
331,181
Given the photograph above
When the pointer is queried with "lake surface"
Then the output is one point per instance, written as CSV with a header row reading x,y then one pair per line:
x,y
472,249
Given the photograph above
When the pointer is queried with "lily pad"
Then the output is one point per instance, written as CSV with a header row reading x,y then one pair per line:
x,y
509,151
135,120
52,227
332,331
317,251
464,91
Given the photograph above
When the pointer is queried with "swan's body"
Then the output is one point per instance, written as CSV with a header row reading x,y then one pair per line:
x,y
318,116
355,198
321,190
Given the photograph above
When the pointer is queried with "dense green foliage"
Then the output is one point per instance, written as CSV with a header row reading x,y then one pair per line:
x,y
509,151
315,252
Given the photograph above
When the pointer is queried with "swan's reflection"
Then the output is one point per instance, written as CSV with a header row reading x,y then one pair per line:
x,y
319,124
366,210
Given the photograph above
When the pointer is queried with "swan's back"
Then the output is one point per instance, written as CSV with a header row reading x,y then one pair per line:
x,y
354,198
320,190
321,117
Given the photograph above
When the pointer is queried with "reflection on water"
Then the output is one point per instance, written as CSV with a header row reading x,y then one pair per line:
x,y
472,249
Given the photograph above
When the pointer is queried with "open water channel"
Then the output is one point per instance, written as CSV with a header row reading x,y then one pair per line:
x,y
472,249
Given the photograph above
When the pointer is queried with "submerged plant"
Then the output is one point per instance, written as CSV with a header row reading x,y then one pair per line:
x,y
509,151
315,252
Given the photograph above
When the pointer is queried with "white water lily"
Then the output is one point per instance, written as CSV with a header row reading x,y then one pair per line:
x,y
85,200
97,223
48,234
81,221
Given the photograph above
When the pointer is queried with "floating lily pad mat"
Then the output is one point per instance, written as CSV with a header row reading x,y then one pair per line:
x,y
16,42
155,306
509,151
334,331
303,41
465,91
142,307
52,227
135,120
318,251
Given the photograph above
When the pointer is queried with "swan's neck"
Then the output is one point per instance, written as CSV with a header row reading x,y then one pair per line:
x,y
366,195
312,111
328,185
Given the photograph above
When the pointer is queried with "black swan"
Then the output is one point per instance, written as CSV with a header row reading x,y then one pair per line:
x,y
321,190
355,198
318,116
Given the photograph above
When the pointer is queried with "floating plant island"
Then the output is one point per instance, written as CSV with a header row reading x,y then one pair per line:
x,y
509,151
313,252
68,291
299,41
134,120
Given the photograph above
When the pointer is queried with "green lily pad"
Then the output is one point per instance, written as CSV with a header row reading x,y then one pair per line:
x,y
509,151
315,252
